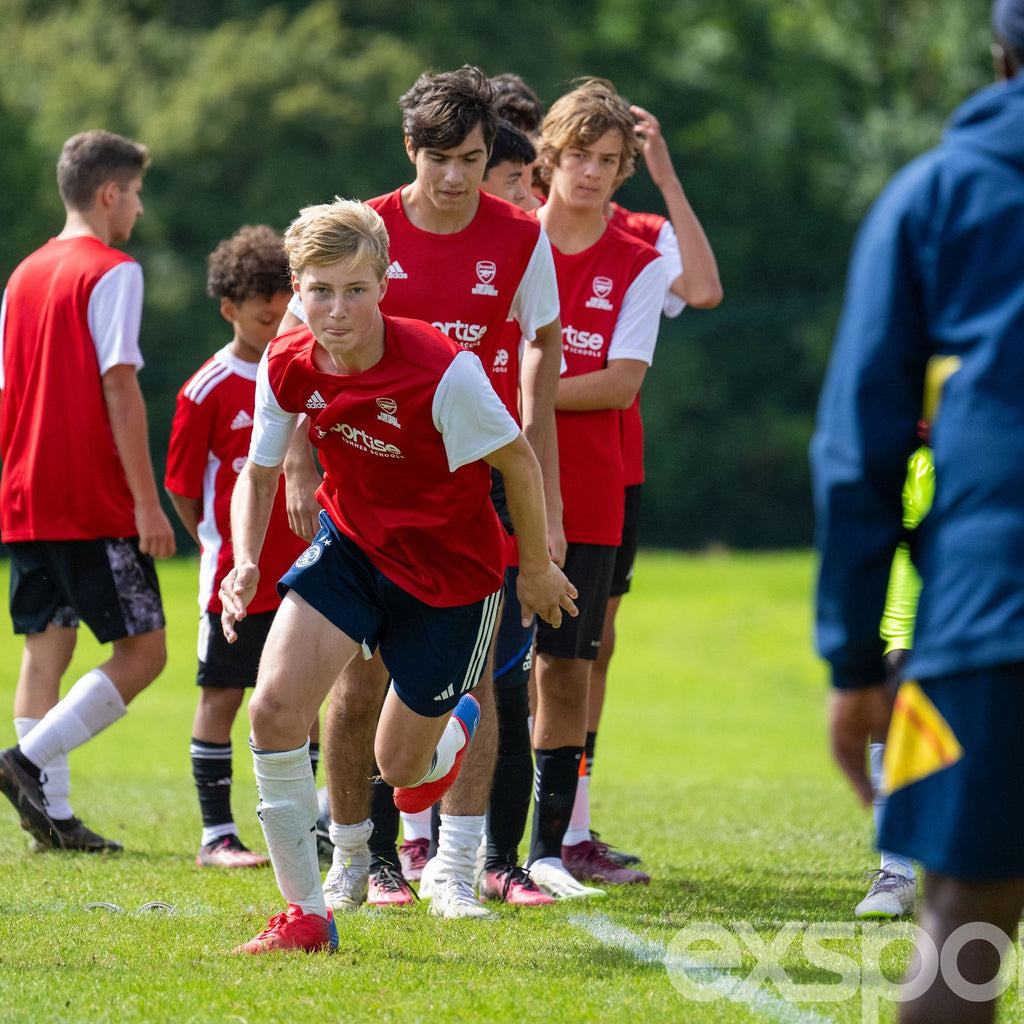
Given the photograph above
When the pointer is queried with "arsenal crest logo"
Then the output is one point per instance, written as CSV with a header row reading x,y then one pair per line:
x,y
485,270
602,287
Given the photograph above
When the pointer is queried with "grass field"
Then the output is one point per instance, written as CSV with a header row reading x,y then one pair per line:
x,y
712,763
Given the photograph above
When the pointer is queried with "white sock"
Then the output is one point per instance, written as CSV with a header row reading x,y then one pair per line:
x,y
578,830
452,740
894,863
55,777
457,843
211,833
350,840
89,707
417,826
287,811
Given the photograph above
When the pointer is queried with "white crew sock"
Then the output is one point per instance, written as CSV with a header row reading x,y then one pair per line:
x,y
287,811
578,830
418,825
894,863
457,843
55,777
452,740
89,707
350,840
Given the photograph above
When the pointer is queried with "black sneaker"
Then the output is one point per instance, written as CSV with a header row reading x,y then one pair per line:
x,y
625,860
26,793
71,834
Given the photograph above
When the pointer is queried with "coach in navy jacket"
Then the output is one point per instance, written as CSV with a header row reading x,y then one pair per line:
x,y
937,270
935,288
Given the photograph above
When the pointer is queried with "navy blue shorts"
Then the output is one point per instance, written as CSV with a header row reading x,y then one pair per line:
x,y
967,820
434,655
513,650
589,567
625,557
108,584
231,665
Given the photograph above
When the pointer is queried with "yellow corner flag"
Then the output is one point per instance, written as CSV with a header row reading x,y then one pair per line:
x,y
920,741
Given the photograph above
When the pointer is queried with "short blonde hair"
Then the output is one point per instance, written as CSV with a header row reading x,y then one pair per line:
x,y
581,117
345,230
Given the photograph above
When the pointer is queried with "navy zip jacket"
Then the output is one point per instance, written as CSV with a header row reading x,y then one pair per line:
x,y
937,271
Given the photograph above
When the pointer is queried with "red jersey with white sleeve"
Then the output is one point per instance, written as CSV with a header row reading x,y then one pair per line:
x,y
611,297
210,437
657,231
401,445
469,283
71,311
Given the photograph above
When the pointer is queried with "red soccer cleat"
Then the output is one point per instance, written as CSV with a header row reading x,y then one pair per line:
x,y
294,929
412,799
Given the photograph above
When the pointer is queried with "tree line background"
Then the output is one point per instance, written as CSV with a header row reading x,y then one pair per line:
x,y
784,118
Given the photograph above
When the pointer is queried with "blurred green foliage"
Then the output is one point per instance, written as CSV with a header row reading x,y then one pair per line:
x,y
784,117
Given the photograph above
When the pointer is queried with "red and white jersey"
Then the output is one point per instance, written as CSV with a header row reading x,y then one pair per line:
x,y
401,444
210,437
655,230
611,297
70,312
469,283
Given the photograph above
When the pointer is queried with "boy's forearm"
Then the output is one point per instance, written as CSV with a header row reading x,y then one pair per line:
x,y
127,412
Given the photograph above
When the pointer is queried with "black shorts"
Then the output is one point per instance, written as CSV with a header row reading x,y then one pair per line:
x,y
108,584
625,557
589,567
231,665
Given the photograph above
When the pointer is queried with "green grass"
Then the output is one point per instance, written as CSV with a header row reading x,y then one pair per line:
x,y
712,763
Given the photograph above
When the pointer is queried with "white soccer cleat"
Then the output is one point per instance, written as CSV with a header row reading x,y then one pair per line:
x,y
346,881
427,879
550,876
891,895
454,897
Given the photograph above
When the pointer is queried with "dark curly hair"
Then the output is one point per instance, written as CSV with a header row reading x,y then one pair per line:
x,y
515,101
251,262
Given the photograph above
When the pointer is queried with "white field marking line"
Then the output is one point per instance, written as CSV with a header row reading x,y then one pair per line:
x,y
644,951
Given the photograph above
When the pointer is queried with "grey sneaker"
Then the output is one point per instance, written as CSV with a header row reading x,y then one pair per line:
x,y
346,882
454,897
891,895
26,794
